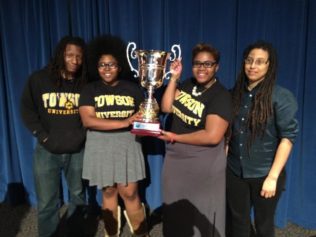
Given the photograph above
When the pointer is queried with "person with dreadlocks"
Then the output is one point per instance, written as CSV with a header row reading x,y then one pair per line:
x,y
49,109
263,132
113,158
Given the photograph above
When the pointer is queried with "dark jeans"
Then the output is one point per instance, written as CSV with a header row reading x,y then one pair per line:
x,y
47,171
244,194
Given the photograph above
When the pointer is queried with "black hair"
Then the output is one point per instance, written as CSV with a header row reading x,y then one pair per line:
x,y
57,63
108,45
261,109
203,47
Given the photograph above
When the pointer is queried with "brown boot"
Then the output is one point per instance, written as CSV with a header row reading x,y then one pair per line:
x,y
137,222
112,222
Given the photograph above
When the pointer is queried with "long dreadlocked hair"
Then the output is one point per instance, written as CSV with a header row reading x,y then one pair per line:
x,y
57,63
107,45
262,108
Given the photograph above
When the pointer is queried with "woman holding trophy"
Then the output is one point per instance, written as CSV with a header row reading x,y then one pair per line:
x,y
113,159
195,161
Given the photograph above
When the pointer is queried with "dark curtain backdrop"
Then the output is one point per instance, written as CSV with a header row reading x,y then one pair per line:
x,y
30,29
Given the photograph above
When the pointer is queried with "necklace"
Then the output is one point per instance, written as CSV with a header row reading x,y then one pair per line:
x,y
195,93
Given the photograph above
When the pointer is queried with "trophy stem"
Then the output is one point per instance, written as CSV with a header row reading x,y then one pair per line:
x,y
149,124
150,91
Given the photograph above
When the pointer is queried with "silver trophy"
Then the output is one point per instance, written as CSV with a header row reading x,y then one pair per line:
x,y
151,71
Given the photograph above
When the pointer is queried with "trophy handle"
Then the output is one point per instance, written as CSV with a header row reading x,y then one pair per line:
x,y
133,56
173,57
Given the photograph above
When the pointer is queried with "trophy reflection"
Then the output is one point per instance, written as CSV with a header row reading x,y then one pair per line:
x,y
151,71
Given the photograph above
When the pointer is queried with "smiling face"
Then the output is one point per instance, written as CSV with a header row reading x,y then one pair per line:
x,y
73,59
204,67
256,65
108,69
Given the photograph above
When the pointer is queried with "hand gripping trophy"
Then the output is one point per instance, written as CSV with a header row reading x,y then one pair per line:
x,y
151,71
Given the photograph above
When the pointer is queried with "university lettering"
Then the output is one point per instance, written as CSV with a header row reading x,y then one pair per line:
x,y
52,100
185,118
109,100
196,107
115,114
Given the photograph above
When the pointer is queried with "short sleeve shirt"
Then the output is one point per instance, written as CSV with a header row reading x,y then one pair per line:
x,y
190,112
112,102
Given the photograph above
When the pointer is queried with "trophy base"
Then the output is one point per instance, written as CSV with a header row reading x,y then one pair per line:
x,y
146,129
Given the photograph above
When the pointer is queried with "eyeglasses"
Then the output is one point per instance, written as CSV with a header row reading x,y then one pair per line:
x,y
206,64
108,65
258,62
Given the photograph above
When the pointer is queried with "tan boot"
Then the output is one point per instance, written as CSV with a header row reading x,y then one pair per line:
x,y
137,222
112,222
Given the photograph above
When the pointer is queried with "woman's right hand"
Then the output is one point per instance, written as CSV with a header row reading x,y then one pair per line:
x,y
176,69
171,91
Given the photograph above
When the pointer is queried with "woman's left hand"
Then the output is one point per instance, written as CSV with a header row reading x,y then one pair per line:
x,y
134,117
167,136
269,187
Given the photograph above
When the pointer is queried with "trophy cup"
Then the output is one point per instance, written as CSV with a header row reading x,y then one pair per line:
x,y
151,71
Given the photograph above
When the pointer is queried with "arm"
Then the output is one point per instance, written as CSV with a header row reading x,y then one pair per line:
x,y
171,91
285,107
30,111
89,120
227,138
281,157
212,134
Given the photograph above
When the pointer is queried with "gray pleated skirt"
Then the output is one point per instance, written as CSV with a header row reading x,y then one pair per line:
x,y
194,190
111,158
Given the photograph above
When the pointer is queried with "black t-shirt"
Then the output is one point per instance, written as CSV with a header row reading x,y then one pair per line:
x,y
190,112
112,102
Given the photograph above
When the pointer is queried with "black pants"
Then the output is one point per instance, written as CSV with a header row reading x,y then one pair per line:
x,y
244,194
